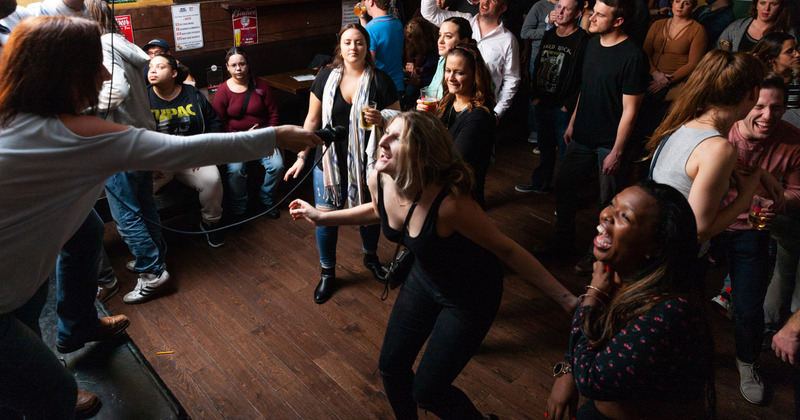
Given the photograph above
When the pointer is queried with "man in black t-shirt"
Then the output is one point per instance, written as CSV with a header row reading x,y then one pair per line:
x,y
614,81
554,89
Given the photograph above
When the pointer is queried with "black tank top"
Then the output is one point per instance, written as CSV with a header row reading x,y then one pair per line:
x,y
454,263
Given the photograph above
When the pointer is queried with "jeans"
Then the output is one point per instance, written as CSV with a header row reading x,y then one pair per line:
x,y
32,380
573,171
135,193
206,182
237,181
454,331
76,281
327,236
552,122
749,265
783,293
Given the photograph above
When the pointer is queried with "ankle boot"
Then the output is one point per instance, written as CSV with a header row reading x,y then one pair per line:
x,y
324,289
379,271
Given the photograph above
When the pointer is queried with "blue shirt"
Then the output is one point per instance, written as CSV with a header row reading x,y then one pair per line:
x,y
386,41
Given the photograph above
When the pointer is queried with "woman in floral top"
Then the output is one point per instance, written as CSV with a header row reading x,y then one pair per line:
x,y
640,346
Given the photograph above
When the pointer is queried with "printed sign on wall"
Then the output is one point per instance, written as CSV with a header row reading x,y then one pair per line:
x,y
349,12
187,27
245,26
125,27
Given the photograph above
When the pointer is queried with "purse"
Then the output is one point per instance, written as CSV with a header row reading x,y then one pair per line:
x,y
402,261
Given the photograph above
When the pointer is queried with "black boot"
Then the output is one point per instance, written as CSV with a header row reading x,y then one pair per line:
x,y
324,289
374,265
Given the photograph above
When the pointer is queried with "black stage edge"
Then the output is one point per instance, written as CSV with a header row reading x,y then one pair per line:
x,y
116,371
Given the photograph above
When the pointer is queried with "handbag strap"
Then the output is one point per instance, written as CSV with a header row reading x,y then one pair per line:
x,y
246,100
655,156
403,231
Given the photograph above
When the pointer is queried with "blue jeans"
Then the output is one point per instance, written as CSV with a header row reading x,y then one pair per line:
x,y
135,193
552,123
76,281
577,163
749,265
454,330
237,181
32,380
327,236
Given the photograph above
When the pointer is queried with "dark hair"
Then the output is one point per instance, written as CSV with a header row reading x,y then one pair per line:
x,y
182,71
622,9
775,81
230,52
769,46
103,15
721,79
783,23
464,28
669,273
36,78
420,38
338,60
482,93
385,5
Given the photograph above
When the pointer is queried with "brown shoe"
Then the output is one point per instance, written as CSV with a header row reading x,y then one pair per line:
x,y
86,404
109,327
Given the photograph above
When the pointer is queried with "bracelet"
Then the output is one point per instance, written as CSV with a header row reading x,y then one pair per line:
x,y
599,290
584,296
301,157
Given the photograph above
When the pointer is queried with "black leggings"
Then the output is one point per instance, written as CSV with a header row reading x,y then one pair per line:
x,y
456,329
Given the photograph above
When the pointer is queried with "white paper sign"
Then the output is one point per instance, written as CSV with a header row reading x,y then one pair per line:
x,y
348,16
187,27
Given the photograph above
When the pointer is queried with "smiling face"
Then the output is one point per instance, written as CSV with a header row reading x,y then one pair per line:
x,y
767,10
788,58
237,67
161,73
459,76
603,20
682,8
765,116
390,148
448,38
625,230
491,9
353,46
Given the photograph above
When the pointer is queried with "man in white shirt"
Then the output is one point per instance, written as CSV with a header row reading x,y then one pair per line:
x,y
497,45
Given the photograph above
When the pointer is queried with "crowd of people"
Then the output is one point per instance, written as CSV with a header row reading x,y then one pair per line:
x,y
709,103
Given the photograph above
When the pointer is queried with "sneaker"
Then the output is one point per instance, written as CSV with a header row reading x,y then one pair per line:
x,y
530,188
750,384
724,303
215,239
131,266
536,151
585,265
146,287
106,290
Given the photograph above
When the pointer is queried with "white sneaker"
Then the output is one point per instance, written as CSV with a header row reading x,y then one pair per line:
x,y
146,287
750,383
106,290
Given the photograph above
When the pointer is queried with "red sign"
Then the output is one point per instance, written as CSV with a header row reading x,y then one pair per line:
x,y
125,27
245,26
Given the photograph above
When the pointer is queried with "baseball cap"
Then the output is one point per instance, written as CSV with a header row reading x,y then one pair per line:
x,y
158,42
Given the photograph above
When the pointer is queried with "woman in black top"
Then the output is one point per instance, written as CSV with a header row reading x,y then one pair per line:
x,y
466,110
453,291
337,98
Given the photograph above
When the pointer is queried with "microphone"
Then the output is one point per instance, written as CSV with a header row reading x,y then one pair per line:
x,y
331,134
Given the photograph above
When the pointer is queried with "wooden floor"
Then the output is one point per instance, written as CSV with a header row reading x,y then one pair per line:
x,y
250,343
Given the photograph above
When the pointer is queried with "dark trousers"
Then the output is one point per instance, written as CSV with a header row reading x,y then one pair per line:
x,y
455,328
749,265
578,161
552,122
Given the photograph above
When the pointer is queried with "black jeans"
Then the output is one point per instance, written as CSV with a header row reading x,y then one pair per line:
x,y
456,328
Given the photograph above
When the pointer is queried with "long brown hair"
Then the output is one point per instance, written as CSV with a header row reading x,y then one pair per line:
x,y
338,59
103,15
429,157
782,23
420,39
482,93
721,79
50,65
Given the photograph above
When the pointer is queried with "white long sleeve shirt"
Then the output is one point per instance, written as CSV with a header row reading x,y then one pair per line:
x,y
499,49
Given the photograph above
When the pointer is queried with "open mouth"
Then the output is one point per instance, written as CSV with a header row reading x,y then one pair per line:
x,y
602,241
